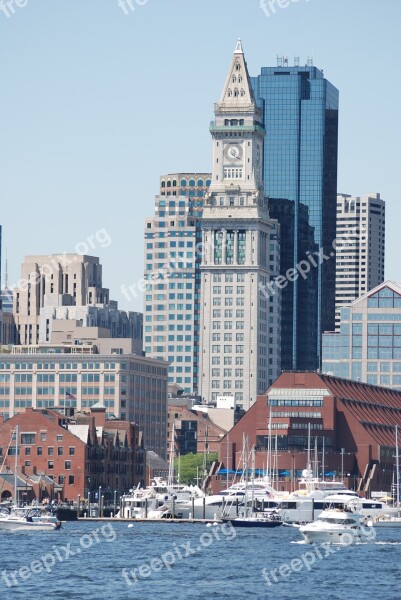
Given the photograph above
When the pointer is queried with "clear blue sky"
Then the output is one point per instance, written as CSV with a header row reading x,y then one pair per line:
x,y
96,104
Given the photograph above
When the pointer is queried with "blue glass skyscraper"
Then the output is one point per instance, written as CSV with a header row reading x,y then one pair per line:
x,y
300,110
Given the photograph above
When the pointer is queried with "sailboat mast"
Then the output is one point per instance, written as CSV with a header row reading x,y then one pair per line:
x,y
16,468
309,463
323,458
253,477
397,467
171,461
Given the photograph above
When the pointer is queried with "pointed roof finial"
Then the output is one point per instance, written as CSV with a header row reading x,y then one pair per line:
x,y
238,47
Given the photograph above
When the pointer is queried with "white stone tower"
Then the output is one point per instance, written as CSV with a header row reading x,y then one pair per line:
x,y
239,247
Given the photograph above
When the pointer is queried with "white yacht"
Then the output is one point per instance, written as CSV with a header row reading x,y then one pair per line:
x,y
157,500
338,526
231,501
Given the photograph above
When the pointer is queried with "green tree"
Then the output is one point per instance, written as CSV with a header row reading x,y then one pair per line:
x,y
191,464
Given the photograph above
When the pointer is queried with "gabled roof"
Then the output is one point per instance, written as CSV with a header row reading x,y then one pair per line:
x,y
80,431
395,287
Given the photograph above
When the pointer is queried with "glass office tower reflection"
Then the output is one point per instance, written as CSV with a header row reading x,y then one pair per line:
x,y
300,109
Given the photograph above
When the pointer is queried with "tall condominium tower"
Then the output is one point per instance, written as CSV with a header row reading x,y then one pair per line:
x,y
239,244
171,327
300,114
360,247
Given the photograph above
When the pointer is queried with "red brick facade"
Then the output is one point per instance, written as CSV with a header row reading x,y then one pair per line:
x,y
353,416
79,454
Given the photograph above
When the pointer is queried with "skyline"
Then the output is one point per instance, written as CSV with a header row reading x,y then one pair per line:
x,y
78,140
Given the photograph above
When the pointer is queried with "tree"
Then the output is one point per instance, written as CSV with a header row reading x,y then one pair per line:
x,y
190,465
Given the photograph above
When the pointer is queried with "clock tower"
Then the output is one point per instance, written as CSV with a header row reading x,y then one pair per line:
x,y
238,339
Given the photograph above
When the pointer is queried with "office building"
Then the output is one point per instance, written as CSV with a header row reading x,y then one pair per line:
x,y
67,287
360,248
368,345
171,327
130,386
239,245
300,114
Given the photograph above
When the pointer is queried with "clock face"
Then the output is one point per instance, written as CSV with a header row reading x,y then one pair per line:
x,y
233,152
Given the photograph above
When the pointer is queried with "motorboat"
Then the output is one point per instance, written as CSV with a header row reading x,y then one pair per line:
x,y
342,526
28,520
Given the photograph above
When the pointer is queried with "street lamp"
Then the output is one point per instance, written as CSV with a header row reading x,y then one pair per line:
x,y
342,463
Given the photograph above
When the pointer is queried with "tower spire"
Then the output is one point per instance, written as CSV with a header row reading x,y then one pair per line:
x,y
237,90
238,47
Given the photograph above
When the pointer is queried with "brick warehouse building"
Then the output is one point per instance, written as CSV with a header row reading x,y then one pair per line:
x,y
78,454
356,420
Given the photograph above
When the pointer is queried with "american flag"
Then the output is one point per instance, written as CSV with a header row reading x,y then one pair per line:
x,y
69,395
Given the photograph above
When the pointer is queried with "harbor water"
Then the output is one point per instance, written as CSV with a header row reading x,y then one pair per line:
x,y
181,560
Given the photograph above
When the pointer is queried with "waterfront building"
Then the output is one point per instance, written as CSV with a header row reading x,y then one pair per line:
x,y
171,327
360,247
240,323
194,431
62,457
131,387
368,345
62,287
352,422
300,114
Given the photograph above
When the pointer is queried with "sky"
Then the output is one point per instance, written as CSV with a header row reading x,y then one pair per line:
x,y
99,99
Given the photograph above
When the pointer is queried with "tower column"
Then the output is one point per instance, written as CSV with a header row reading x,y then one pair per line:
x,y
235,246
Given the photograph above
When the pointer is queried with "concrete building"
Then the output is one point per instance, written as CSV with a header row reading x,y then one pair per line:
x,y
78,454
240,323
171,328
360,248
67,287
368,346
357,422
130,386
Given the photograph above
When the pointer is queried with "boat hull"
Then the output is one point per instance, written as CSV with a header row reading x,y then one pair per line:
x,y
16,525
254,523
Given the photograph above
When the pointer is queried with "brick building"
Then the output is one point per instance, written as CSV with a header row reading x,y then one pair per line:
x,y
62,457
194,432
355,420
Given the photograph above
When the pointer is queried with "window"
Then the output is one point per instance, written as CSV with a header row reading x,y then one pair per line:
x,y
50,451
27,438
59,438
60,451
39,451
71,479
50,464
67,465
43,436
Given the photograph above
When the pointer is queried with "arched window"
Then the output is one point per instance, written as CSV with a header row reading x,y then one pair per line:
x,y
242,92
239,79
236,93
237,67
192,182
174,182
163,184
169,183
229,93
183,182
234,79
